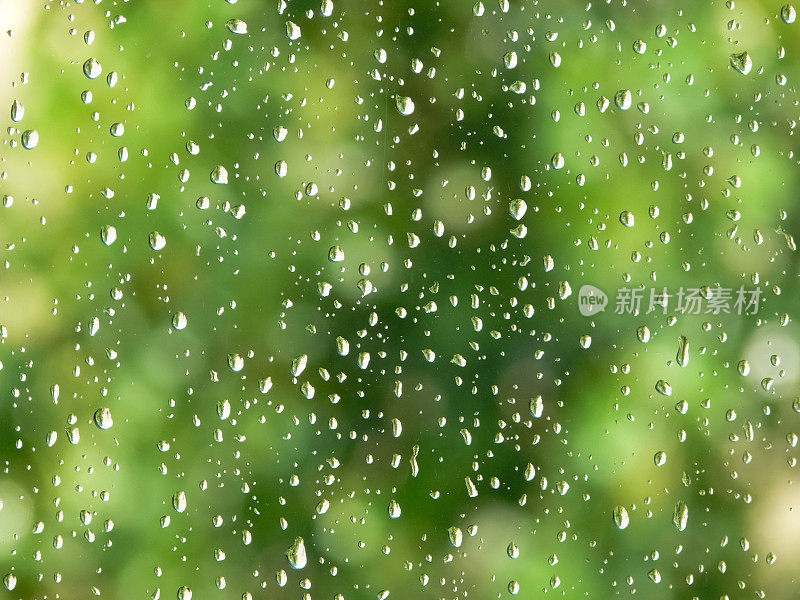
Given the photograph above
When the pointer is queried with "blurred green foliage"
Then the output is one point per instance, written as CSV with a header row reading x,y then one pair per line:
x,y
704,159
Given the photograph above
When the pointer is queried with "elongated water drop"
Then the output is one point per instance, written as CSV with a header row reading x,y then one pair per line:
x,y
292,30
620,517
17,111
179,501
455,535
683,351
296,554
680,516
299,365
108,234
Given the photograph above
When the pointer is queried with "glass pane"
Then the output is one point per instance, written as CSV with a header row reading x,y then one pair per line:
x,y
369,299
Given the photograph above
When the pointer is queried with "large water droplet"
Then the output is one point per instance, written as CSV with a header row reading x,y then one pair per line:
x,y
92,69
102,418
620,517
236,26
742,62
179,502
30,139
297,554
219,175
405,105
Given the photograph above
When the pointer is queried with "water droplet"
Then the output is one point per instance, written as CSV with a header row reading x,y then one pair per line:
x,y
336,254
405,105
660,458
620,517
157,241
179,321
680,515
236,26
743,367
299,365
322,506
179,501
108,234
17,111
788,14
184,593
455,535
219,175
92,69
662,387
742,62
223,409
30,139
292,30
623,99
102,418
235,362
510,59
517,208
10,581
643,333
297,554
512,550
557,161
626,218
683,351
394,509
279,132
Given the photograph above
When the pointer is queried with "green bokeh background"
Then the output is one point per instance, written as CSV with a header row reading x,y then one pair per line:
x,y
362,176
